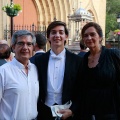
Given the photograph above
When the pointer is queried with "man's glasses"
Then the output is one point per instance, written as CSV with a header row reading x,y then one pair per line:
x,y
29,44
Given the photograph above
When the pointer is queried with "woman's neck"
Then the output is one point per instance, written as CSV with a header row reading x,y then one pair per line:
x,y
95,51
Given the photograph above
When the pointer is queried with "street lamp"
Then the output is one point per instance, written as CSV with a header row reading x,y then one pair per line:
x,y
11,20
118,20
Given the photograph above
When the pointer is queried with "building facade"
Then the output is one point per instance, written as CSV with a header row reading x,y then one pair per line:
x,y
40,13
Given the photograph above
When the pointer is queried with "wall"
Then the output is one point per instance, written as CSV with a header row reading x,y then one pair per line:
x,y
42,12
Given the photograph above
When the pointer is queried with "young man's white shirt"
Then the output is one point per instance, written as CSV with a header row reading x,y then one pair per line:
x,y
56,67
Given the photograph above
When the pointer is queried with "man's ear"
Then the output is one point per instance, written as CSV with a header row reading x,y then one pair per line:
x,y
13,48
66,36
35,46
48,40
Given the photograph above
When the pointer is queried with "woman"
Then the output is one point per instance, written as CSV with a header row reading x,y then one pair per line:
x,y
100,77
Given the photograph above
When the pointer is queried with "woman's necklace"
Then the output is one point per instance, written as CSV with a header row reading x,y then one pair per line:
x,y
93,60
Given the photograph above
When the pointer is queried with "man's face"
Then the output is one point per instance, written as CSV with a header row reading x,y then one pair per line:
x,y
57,36
23,48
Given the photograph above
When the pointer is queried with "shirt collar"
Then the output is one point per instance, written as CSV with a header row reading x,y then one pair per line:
x,y
40,51
20,65
62,54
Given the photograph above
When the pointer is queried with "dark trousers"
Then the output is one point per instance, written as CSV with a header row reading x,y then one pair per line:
x,y
44,113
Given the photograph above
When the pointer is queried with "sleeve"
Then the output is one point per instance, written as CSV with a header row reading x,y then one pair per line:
x,y
75,107
1,85
116,53
116,59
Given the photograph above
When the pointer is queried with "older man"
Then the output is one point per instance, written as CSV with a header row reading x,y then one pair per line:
x,y
11,53
19,87
4,53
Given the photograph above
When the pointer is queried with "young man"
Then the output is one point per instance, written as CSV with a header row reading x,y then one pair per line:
x,y
19,87
58,73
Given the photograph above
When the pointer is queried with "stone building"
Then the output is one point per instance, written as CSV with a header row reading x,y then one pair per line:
x,y
39,13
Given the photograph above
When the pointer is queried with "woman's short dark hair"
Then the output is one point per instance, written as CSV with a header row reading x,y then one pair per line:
x,y
54,24
92,24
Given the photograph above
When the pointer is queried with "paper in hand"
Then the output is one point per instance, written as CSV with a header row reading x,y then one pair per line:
x,y
56,108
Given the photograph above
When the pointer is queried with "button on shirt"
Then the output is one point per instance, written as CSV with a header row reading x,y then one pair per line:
x,y
18,91
55,78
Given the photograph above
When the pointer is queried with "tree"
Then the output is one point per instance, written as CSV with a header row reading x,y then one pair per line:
x,y
112,9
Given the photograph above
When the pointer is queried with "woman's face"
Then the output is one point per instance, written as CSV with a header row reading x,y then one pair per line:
x,y
91,38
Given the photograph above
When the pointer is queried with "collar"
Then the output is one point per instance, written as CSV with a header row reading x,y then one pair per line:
x,y
20,65
40,51
62,54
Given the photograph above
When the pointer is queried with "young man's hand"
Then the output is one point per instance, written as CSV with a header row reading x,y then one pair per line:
x,y
66,113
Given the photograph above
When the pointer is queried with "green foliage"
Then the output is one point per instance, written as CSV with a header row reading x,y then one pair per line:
x,y
113,6
111,23
17,7
112,9
12,6
116,31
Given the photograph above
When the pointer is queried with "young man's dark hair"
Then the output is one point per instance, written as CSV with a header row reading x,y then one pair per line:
x,y
4,51
57,87
54,24
41,41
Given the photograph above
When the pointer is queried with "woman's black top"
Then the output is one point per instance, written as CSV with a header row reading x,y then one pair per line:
x,y
98,84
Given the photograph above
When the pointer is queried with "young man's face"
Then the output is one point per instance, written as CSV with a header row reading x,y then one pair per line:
x,y
57,36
